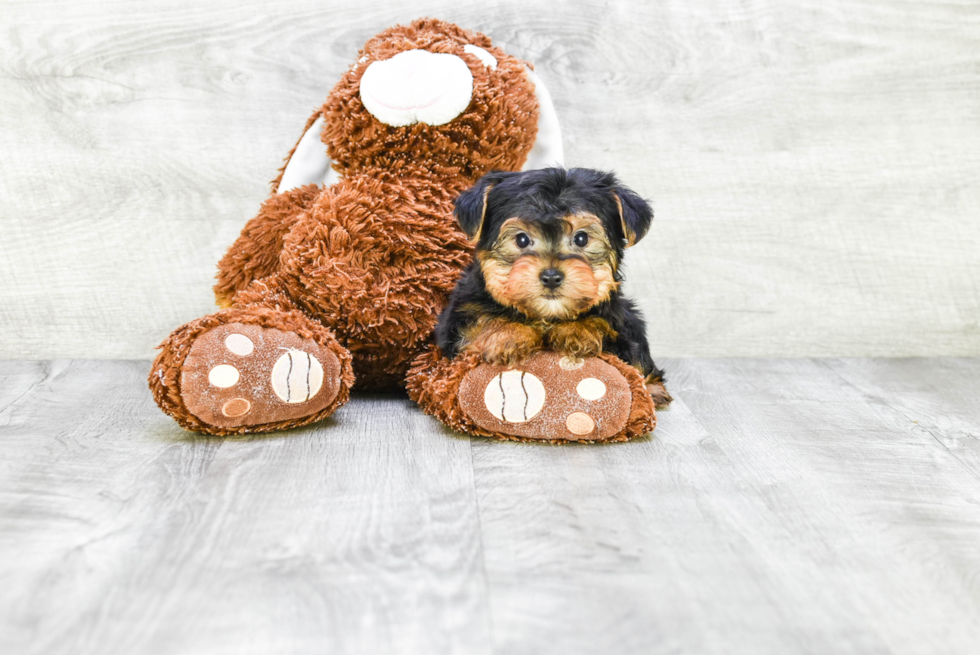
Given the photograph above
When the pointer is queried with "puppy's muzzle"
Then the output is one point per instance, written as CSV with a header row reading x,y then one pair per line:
x,y
551,278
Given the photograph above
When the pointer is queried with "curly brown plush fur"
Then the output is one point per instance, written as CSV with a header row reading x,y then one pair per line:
x,y
375,256
372,258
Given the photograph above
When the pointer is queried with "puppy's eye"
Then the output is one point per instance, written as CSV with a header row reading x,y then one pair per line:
x,y
580,239
522,240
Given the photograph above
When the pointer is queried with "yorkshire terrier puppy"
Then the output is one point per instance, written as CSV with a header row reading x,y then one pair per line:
x,y
546,272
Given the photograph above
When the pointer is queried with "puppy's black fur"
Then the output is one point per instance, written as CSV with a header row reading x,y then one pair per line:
x,y
545,198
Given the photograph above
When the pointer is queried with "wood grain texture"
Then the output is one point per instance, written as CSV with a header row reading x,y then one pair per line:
x,y
779,509
121,533
814,166
782,507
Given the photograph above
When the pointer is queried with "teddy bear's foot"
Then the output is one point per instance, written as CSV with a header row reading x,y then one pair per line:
x,y
548,397
242,377
237,375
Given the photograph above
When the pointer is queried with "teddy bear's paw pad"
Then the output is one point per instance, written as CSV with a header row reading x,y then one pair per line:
x,y
548,397
237,375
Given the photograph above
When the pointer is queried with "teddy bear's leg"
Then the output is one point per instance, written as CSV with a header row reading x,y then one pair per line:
x,y
255,253
548,397
252,368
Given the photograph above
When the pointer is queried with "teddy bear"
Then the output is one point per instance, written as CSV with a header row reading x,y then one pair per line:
x,y
342,274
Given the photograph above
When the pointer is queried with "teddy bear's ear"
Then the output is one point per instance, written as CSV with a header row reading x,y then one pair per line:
x,y
309,163
471,206
635,214
547,150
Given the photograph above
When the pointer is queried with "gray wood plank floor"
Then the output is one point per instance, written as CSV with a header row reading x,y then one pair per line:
x,y
782,506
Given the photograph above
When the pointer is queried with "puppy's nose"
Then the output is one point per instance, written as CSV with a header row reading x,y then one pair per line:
x,y
551,278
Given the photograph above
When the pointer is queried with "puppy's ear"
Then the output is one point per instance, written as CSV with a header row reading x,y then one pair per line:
x,y
634,214
470,208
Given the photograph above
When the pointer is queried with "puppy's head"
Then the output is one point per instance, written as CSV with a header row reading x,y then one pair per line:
x,y
549,241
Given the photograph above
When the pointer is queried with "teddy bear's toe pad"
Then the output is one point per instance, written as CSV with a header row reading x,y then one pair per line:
x,y
548,397
239,374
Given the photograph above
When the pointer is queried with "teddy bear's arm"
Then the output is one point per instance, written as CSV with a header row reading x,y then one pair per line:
x,y
255,254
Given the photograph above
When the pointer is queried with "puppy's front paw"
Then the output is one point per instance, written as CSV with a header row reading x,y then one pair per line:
x,y
579,339
508,345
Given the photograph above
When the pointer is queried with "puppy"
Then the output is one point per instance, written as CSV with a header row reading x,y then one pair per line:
x,y
546,272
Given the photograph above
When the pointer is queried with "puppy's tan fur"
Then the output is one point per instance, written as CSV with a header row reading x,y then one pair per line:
x,y
513,277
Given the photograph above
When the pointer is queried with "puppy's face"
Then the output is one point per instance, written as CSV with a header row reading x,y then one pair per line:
x,y
549,241
550,269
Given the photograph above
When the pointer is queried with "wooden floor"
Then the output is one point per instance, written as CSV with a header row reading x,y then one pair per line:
x,y
783,506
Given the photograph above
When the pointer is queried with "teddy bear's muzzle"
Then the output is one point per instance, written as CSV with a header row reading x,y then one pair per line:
x,y
417,86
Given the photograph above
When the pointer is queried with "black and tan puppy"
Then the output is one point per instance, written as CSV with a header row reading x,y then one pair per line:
x,y
546,273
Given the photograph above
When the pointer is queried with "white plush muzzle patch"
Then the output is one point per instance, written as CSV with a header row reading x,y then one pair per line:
x,y
417,86
310,164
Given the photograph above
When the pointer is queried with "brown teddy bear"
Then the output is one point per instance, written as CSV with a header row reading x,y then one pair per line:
x,y
344,271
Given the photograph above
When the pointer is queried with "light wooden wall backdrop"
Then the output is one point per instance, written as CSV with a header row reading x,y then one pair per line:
x,y
815,166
